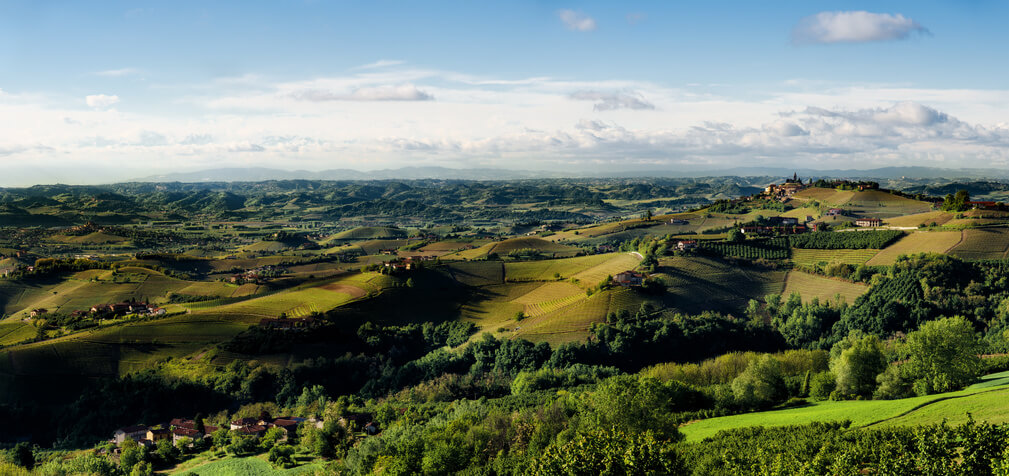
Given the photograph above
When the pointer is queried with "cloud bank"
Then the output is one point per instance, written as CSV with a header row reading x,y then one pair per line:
x,y
854,27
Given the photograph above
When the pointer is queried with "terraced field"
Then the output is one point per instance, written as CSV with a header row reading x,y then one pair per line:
x,y
550,297
14,331
809,257
983,243
811,286
917,242
697,283
885,205
89,288
827,196
938,217
589,269
571,322
96,238
477,273
503,248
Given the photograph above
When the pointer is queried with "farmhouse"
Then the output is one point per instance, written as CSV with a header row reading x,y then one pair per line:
x,y
135,432
985,205
684,245
868,222
180,433
833,212
38,312
677,221
629,278
155,434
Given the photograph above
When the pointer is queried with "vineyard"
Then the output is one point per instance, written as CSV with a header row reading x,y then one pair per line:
x,y
836,240
771,248
803,257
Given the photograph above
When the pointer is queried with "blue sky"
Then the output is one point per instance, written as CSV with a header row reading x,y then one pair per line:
x,y
111,89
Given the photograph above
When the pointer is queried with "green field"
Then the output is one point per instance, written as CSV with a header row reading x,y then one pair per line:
x,y
812,286
368,233
985,403
917,242
803,257
982,244
248,466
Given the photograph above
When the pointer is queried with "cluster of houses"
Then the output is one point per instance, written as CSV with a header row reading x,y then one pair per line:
x,y
408,263
255,275
785,191
109,311
121,309
175,430
179,428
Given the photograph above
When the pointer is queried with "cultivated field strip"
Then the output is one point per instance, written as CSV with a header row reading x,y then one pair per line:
x,y
811,286
917,242
983,244
811,257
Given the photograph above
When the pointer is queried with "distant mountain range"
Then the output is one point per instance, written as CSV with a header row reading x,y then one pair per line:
x,y
257,174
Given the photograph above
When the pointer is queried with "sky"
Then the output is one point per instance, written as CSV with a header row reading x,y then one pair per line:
x,y
105,91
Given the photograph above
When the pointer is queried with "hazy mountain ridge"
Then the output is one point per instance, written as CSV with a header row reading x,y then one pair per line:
x,y
256,174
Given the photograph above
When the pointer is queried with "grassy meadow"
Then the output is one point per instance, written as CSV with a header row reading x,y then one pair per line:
x,y
986,403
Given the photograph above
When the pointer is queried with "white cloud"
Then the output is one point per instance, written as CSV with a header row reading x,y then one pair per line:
x,y
854,27
403,92
380,64
115,73
576,21
612,101
101,101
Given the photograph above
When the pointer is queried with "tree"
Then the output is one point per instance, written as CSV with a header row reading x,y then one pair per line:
x,y
242,446
167,452
822,385
200,426
131,454
943,355
735,235
221,437
857,366
142,468
270,438
760,384
611,452
630,403
22,455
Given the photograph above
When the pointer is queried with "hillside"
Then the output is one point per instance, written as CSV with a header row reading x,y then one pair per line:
x,y
368,233
983,401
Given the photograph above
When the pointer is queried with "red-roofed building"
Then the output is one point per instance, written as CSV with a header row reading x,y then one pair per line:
x,y
629,278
